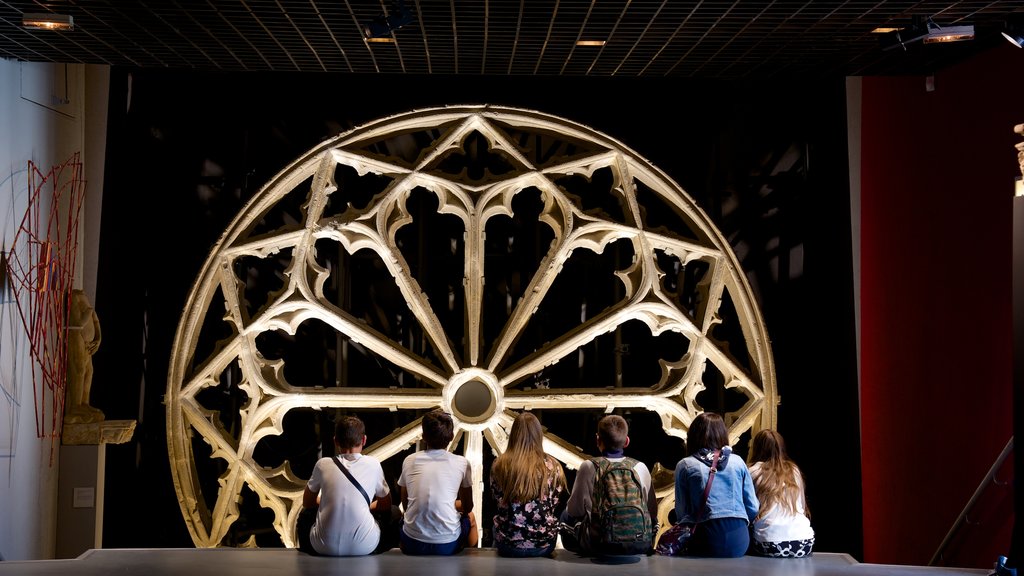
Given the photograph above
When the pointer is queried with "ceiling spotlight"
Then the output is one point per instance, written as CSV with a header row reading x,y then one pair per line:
x,y
48,22
928,31
938,34
900,37
384,24
1013,30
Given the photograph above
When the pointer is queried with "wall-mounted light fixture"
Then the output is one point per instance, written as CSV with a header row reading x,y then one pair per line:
x,y
62,22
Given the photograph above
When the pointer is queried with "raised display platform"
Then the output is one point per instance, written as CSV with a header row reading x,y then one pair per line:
x,y
476,561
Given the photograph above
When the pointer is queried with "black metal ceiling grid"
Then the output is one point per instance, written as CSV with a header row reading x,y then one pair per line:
x,y
716,39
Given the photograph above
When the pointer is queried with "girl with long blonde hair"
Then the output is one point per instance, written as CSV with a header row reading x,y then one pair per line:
x,y
529,486
782,528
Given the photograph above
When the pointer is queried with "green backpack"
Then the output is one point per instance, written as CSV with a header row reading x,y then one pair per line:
x,y
619,520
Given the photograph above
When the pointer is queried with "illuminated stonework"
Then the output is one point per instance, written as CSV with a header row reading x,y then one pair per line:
x,y
479,258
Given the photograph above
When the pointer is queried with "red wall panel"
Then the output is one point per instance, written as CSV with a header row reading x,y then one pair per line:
x,y
937,171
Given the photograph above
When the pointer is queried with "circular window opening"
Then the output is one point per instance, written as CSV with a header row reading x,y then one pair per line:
x,y
473,401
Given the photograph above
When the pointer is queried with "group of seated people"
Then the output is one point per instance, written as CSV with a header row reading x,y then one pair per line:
x,y
348,508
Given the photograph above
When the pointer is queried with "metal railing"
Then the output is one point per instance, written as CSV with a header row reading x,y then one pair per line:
x,y
962,519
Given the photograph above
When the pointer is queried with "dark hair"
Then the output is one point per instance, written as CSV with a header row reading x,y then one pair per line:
x,y
706,431
613,431
438,428
349,432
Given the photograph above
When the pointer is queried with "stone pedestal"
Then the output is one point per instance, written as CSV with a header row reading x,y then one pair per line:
x,y
80,483
102,432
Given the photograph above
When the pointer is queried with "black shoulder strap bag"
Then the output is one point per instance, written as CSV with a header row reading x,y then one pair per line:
x,y
351,478
674,541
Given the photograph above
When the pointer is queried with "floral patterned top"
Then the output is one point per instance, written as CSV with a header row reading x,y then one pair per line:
x,y
528,525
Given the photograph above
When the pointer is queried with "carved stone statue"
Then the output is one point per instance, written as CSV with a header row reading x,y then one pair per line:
x,y
1019,129
83,339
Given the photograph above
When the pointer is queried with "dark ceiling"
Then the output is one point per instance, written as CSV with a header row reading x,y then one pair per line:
x,y
653,38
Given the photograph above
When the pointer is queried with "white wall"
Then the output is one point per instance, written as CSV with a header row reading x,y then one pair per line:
x,y
42,112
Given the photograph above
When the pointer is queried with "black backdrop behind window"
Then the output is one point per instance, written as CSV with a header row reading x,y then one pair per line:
x,y
766,161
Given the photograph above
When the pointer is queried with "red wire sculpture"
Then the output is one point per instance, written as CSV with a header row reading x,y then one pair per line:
x,y
40,269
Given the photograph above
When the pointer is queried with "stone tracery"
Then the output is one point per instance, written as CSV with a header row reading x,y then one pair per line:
x,y
480,258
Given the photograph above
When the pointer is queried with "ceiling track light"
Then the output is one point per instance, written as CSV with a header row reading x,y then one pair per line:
x,y
926,31
940,34
62,22
900,37
1013,30
380,28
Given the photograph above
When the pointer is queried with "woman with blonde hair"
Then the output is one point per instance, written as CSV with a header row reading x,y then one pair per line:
x,y
782,528
529,486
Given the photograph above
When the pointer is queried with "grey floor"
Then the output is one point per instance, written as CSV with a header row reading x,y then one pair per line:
x,y
475,562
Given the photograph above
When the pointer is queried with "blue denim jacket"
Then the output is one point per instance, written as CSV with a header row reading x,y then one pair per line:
x,y
732,493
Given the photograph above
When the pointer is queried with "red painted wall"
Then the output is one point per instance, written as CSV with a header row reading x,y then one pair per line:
x,y
937,174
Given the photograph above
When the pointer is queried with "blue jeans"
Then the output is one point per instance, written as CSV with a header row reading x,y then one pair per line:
x,y
720,538
414,547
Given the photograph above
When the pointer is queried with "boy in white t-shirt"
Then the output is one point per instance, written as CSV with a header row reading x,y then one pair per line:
x,y
339,517
437,493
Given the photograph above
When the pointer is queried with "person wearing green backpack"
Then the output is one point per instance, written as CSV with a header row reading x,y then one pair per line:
x,y
612,505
